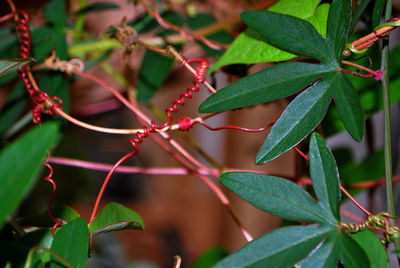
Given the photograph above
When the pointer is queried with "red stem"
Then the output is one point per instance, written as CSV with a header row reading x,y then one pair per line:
x,y
105,183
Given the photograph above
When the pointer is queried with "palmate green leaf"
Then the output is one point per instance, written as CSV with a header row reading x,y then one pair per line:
x,y
301,117
339,246
309,108
154,70
325,175
289,33
72,243
249,47
370,243
20,163
270,84
115,217
11,65
277,196
280,248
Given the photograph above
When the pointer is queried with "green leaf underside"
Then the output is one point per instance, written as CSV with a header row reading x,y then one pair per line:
x,y
289,33
280,248
325,175
250,48
154,70
277,196
270,84
301,117
11,65
349,107
370,243
339,246
114,217
20,163
72,243
338,26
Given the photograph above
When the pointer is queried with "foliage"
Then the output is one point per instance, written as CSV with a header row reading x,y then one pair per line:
x,y
306,42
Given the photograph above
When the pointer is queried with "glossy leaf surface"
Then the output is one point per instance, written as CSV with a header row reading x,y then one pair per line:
x,y
308,108
301,117
373,248
20,163
115,217
72,243
280,248
277,196
288,33
324,174
270,84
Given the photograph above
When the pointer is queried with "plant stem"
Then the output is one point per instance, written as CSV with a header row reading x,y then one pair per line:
x,y
387,122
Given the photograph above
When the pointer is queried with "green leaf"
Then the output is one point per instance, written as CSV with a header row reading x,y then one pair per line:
x,y
114,217
11,65
72,243
325,256
153,72
372,247
95,7
288,33
349,107
324,174
302,115
54,11
319,19
277,196
209,258
43,220
338,26
280,248
13,107
249,47
351,254
270,84
20,163
338,246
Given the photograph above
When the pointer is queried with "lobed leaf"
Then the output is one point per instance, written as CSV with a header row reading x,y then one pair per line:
x,y
280,248
325,175
270,84
277,196
114,217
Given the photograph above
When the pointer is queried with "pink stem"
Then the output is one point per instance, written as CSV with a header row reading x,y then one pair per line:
x,y
354,201
123,169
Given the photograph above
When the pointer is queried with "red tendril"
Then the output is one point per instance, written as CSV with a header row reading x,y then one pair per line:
x,y
49,178
44,104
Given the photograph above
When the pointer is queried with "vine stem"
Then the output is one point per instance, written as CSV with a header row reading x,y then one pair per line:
x,y
363,209
105,183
